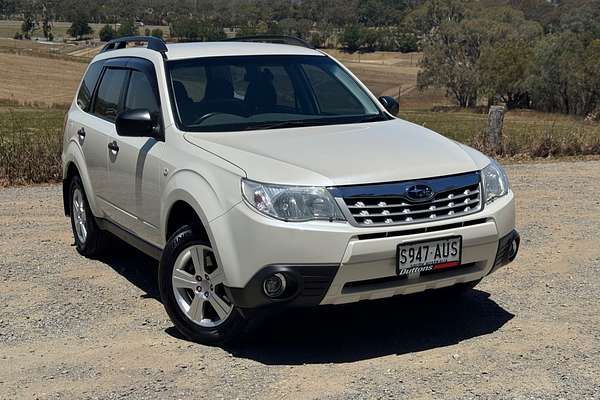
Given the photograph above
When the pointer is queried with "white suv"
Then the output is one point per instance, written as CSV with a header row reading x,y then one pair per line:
x,y
265,175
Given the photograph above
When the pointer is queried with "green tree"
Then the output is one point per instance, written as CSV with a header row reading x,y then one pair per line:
x,y
107,33
127,28
28,25
585,19
453,49
47,28
565,74
185,29
352,37
317,40
430,15
80,27
157,32
504,70
192,29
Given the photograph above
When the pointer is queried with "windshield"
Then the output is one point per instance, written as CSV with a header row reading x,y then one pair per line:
x,y
266,92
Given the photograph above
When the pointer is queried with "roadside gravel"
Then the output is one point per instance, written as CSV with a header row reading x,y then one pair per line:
x,y
75,328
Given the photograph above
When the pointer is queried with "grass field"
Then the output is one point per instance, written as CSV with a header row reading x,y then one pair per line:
x,y
31,79
30,145
35,90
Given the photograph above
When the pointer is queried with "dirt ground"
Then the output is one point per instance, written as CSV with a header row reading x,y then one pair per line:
x,y
71,328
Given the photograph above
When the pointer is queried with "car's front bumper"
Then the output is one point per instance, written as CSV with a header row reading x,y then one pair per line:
x,y
347,263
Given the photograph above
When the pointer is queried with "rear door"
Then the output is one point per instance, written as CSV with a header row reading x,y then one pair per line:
x,y
107,104
88,133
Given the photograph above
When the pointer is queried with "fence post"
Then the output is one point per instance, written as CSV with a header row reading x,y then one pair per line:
x,y
493,134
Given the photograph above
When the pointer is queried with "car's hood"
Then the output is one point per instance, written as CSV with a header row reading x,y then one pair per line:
x,y
339,154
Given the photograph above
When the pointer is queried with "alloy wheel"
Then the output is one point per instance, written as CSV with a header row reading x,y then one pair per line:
x,y
197,282
79,215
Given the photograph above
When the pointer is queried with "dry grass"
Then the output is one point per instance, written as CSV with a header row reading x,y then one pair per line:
x,y
30,145
28,79
383,72
525,134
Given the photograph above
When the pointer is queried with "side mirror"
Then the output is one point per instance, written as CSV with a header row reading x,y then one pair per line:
x,y
137,123
390,104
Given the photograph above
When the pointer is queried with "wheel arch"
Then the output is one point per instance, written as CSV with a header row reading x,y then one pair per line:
x,y
71,171
74,164
182,213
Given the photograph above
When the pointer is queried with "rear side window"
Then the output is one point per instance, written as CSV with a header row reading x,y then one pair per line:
x,y
84,97
108,99
141,94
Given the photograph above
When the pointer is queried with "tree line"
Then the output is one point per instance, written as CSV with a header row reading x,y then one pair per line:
x,y
541,54
498,54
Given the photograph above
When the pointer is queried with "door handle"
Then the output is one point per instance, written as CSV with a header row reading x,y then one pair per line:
x,y
81,132
113,146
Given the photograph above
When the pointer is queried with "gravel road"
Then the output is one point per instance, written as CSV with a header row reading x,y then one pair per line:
x,y
81,329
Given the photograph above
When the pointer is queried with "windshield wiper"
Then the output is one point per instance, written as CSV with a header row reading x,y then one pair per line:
x,y
314,122
372,118
285,124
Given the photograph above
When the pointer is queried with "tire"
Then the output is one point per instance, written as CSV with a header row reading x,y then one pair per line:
x,y
192,292
90,240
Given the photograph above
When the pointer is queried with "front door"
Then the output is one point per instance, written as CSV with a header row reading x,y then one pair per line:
x,y
134,166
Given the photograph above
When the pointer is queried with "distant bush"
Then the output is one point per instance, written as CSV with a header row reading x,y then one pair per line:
x,y
351,38
361,38
80,27
192,29
18,36
156,32
127,28
317,40
107,33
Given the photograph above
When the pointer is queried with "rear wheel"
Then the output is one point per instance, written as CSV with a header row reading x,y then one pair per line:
x,y
90,240
192,290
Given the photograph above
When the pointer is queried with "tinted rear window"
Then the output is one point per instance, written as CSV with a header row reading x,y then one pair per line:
x,y
108,100
84,97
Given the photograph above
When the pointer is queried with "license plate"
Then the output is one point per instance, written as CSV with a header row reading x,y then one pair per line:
x,y
428,255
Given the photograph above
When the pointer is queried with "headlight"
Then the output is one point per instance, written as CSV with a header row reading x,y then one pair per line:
x,y
495,182
291,203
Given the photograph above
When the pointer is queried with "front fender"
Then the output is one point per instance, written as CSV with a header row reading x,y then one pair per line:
x,y
209,200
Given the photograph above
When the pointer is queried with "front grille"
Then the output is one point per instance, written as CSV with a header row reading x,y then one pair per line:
x,y
389,204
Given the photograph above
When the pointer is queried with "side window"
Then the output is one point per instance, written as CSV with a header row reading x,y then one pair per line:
x,y
84,97
332,96
109,93
141,94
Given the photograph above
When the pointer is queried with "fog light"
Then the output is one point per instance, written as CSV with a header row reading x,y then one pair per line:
x,y
274,286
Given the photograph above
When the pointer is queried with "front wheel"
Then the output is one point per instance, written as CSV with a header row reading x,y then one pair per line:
x,y
192,290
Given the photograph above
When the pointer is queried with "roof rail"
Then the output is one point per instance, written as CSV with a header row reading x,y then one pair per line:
x,y
278,39
154,43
